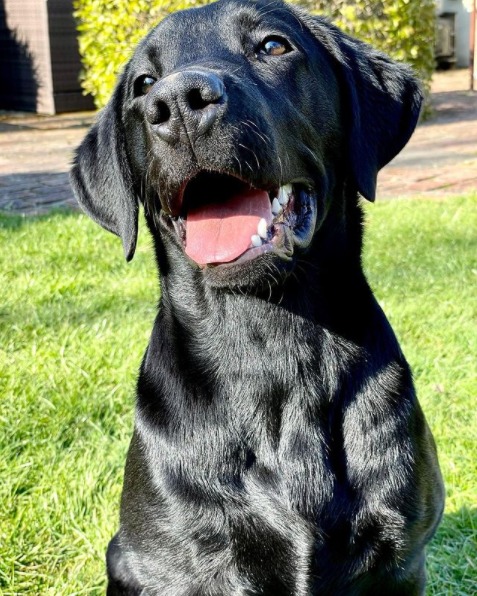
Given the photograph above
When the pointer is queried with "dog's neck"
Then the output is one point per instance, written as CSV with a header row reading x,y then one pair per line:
x,y
326,298
249,360
326,286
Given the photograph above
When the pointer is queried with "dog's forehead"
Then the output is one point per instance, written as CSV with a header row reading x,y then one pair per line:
x,y
221,26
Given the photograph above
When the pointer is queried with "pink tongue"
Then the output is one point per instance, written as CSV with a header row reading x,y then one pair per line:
x,y
221,232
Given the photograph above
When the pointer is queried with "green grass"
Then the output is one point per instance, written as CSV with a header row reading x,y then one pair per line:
x,y
75,320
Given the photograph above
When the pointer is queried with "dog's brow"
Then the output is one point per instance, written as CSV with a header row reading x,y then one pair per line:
x,y
247,20
153,53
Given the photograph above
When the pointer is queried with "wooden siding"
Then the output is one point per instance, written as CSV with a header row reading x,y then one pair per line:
x,y
65,59
25,75
39,60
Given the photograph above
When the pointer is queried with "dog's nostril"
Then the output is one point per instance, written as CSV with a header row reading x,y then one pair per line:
x,y
196,101
163,113
185,99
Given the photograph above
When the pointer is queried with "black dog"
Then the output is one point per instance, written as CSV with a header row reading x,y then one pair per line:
x,y
279,448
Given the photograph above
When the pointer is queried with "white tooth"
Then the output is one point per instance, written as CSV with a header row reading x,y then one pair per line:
x,y
262,229
284,194
256,240
276,207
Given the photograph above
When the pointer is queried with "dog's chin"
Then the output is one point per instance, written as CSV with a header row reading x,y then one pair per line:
x,y
270,263
286,217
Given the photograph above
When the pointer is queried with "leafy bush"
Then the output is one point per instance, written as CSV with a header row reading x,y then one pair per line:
x,y
108,33
110,29
404,29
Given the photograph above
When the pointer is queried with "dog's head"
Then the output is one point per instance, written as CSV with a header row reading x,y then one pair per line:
x,y
235,124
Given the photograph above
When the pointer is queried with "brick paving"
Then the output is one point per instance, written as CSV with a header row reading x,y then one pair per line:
x,y
440,159
35,156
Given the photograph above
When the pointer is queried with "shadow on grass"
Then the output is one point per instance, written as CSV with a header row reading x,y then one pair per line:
x,y
452,555
14,221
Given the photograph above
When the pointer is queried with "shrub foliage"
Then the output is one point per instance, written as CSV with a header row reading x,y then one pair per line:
x,y
108,33
109,30
404,29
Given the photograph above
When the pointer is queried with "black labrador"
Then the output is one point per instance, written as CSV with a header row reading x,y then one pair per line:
x,y
279,447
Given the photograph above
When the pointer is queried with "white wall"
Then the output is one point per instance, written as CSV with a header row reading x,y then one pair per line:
x,y
463,11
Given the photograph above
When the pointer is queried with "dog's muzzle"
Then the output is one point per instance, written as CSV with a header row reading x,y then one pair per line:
x,y
185,105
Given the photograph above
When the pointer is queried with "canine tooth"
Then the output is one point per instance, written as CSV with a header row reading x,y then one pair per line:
x,y
276,207
262,228
256,240
284,194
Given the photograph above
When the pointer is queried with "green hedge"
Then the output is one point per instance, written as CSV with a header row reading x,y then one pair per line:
x,y
108,33
404,29
109,30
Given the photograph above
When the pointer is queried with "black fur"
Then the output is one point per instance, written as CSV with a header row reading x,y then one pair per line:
x,y
279,447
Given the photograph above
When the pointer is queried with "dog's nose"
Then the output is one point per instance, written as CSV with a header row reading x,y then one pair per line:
x,y
190,99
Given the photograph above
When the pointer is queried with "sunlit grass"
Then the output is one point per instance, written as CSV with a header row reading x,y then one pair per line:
x,y
422,263
75,320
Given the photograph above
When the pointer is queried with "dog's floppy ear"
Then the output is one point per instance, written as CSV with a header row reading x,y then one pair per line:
x,y
101,176
381,102
384,102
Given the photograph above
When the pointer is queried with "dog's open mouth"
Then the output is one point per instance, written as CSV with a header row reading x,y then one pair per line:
x,y
221,219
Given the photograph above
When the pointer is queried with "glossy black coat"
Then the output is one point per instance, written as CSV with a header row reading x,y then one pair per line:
x,y
279,448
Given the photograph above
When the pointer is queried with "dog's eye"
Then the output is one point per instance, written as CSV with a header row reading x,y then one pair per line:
x,y
274,46
143,85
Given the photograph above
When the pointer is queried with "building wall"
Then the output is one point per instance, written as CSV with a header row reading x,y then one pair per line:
x,y
65,59
25,76
462,9
39,58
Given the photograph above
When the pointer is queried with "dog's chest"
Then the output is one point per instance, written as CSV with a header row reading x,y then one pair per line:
x,y
251,519
242,455
246,410
237,512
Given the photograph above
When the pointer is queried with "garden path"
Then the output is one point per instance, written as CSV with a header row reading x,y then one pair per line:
x,y
440,159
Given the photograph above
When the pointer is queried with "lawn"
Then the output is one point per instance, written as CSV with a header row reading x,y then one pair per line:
x,y
75,320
